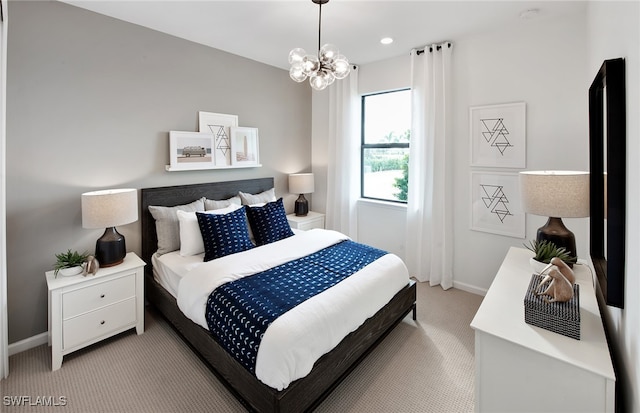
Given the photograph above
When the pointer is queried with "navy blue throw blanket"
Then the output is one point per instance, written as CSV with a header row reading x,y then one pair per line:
x,y
239,312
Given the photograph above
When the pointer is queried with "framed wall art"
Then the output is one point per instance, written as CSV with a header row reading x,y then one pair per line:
x,y
496,205
219,125
190,151
498,135
244,147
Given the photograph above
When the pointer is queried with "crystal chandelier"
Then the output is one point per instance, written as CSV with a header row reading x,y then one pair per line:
x,y
323,69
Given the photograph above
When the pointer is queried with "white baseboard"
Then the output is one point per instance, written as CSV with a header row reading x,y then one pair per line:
x,y
469,288
28,343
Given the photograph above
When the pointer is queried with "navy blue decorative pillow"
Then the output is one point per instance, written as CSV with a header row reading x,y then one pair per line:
x,y
224,234
269,222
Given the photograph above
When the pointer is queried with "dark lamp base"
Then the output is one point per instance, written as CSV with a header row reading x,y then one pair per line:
x,y
110,248
555,231
302,206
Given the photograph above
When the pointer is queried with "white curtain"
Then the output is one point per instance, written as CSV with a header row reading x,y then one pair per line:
x,y
343,153
429,243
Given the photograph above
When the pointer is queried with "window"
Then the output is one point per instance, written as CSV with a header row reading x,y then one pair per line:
x,y
386,131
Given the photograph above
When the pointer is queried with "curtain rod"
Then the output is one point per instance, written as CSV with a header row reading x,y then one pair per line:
x,y
438,47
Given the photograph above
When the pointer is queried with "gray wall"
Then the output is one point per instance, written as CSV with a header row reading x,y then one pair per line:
x,y
90,101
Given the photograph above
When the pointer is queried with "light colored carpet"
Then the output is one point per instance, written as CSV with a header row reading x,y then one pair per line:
x,y
422,366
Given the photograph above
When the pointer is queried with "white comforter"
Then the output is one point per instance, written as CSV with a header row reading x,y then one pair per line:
x,y
294,341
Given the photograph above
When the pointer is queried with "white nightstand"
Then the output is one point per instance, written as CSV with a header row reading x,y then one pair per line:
x,y
309,221
84,310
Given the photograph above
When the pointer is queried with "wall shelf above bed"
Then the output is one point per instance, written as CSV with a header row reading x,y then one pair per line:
x,y
172,169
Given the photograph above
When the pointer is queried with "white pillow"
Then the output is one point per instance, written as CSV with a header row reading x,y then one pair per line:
x,y
263,197
190,237
211,204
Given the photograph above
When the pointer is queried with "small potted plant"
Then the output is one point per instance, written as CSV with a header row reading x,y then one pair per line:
x,y
69,263
544,251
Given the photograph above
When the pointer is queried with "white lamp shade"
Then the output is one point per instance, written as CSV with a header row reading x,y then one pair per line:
x,y
559,194
301,183
109,208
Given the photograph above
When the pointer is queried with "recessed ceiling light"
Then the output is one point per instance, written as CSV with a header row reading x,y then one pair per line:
x,y
386,40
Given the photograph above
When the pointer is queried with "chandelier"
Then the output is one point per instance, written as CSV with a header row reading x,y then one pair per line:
x,y
323,69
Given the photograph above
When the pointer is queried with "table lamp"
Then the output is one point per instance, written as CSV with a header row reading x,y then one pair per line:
x,y
556,194
301,184
107,209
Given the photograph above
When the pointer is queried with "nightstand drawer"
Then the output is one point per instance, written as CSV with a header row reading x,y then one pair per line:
x,y
78,330
98,295
310,224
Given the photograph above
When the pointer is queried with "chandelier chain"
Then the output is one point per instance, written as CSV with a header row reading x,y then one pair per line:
x,y
319,27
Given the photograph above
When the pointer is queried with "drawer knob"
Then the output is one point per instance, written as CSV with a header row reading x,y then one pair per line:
x,y
102,322
101,295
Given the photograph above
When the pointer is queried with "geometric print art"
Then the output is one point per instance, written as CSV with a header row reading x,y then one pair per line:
x,y
221,139
239,312
495,203
495,134
498,136
495,200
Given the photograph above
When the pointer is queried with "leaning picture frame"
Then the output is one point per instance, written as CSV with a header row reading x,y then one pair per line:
x,y
245,149
219,125
496,205
190,151
498,135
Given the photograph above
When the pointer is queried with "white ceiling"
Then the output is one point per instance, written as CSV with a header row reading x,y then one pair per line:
x,y
266,31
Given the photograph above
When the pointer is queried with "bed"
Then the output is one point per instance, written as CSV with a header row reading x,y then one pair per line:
x,y
303,394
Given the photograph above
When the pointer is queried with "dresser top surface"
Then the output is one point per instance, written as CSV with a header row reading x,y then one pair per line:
x,y
501,314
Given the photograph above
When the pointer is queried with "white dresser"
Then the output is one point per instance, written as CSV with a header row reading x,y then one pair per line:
x,y
84,310
522,368
307,222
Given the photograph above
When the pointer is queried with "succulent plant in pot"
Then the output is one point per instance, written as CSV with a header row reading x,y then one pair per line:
x,y
69,263
545,250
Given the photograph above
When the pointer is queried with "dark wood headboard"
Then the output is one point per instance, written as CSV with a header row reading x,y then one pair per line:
x,y
183,194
